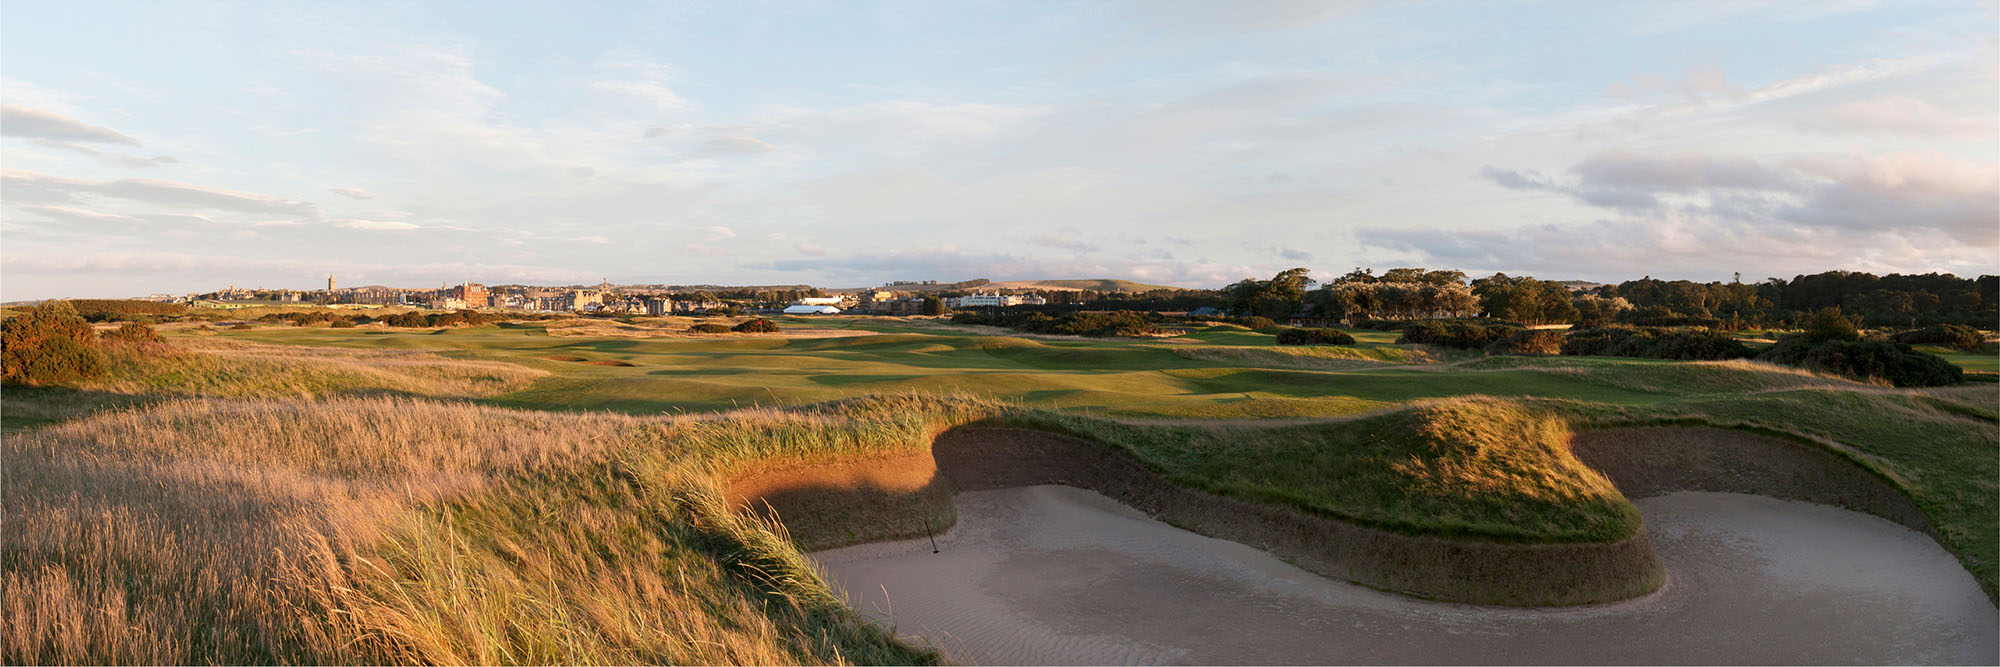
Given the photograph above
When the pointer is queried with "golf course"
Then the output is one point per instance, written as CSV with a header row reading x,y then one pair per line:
x,y
909,490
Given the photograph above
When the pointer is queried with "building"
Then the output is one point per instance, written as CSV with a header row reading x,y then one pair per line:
x,y
804,309
473,294
659,306
985,301
820,301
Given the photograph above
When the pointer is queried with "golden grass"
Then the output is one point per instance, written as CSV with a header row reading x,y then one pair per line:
x,y
373,530
231,368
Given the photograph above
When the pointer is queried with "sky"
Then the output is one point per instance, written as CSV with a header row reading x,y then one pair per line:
x,y
172,147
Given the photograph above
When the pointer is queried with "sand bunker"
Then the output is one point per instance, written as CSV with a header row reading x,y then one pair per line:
x,y
1051,574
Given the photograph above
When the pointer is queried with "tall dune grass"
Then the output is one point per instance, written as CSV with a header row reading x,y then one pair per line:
x,y
391,530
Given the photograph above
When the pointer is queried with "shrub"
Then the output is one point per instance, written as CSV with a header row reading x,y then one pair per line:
x,y
1529,342
1949,335
709,328
47,345
1253,322
1895,362
343,324
757,326
1461,334
110,310
1309,336
1829,324
1120,323
132,332
241,326
1655,343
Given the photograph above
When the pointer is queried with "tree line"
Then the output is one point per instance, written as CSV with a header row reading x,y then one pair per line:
x,y
1894,300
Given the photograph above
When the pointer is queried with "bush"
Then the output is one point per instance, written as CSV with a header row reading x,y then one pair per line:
x,y
132,332
50,344
1655,343
1529,342
111,310
757,326
1829,324
1101,325
709,328
1253,322
1461,334
1949,335
241,326
1895,362
1309,336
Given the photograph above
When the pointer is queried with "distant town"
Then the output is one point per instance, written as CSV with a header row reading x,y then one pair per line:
x,y
895,298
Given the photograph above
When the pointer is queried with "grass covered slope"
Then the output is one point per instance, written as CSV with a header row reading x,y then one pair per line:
x,y
1473,467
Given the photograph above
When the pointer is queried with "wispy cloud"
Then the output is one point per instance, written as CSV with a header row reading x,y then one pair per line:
x,y
20,121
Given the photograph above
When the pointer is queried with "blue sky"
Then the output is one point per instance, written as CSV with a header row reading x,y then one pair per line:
x,y
179,146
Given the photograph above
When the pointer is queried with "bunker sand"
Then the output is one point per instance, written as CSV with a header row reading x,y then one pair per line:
x,y
1052,574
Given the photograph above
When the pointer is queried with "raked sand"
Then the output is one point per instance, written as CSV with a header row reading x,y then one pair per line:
x,y
1058,575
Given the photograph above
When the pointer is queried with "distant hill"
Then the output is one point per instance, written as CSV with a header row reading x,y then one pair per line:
x,y
1096,285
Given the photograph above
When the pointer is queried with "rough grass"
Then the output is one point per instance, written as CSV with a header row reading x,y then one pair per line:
x,y
396,530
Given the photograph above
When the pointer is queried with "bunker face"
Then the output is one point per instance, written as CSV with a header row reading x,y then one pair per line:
x,y
1057,575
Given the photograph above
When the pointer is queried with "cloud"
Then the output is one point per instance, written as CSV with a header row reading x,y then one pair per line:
x,y
719,232
809,248
114,157
377,225
699,249
1631,182
69,214
43,188
1901,211
352,193
195,196
24,122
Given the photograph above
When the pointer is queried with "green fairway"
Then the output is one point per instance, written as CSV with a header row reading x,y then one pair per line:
x,y
1219,371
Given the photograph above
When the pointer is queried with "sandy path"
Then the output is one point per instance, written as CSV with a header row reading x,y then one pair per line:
x,y
1050,575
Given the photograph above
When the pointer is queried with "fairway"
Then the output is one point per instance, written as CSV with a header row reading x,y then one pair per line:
x,y
1215,372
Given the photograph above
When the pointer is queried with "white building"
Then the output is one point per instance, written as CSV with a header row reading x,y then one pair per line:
x,y
805,309
819,301
985,301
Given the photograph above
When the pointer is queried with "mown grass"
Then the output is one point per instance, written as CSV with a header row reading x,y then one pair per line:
x,y
1197,376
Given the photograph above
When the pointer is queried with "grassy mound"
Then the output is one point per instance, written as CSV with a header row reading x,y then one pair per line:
x,y
1472,467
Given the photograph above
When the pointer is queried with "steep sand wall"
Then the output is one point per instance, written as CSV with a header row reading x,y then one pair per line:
x,y
1656,460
